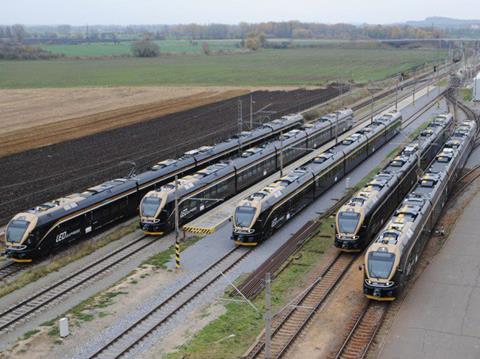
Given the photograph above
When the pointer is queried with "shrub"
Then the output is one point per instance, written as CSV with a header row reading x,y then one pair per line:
x,y
145,48
16,51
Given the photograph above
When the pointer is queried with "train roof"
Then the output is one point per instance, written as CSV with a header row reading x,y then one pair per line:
x,y
95,194
339,113
203,177
375,190
407,216
54,209
281,188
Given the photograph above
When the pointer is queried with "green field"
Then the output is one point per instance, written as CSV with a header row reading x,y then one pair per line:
x,y
302,66
123,48
100,49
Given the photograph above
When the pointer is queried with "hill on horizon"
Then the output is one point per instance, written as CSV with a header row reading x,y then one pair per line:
x,y
445,22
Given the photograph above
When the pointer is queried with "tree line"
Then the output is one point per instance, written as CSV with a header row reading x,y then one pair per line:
x,y
286,29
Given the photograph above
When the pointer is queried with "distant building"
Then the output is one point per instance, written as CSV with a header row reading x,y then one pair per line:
x,y
476,88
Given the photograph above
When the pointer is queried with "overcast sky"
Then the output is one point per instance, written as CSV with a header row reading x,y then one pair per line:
x,y
81,12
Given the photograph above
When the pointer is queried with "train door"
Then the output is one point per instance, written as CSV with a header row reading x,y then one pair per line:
x,y
305,197
88,223
109,213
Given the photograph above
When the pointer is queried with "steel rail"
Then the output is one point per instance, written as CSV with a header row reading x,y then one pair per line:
x,y
45,296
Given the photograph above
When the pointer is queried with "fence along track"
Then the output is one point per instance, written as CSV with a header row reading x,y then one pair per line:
x,y
160,314
39,300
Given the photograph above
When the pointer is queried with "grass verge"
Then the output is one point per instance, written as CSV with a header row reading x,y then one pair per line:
x,y
30,333
78,251
333,105
216,341
466,94
88,310
83,312
161,259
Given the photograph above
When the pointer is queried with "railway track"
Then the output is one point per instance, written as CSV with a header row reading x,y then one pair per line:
x,y
406,86
363,332
10,269
254,283
383,107
145,326
289,323
466,180
425,78
42,299
46,296
473,173
369,320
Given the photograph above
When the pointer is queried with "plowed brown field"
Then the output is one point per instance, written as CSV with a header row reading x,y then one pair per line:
x,y
93,153
35,118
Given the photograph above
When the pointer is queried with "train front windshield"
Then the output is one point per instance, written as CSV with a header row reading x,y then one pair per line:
x,y
348,221
150,206
244,216
15,230
380,264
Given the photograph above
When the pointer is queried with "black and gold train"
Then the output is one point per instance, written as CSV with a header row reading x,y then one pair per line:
x,y
256,217
204,189
55,224
360,219
391,258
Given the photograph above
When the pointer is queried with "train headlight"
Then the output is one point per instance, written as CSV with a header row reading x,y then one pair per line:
x,y
243,230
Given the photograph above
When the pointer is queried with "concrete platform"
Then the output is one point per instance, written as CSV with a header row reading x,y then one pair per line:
x,y
440,317
213,219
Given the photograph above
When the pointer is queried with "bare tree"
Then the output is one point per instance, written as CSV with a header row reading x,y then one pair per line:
x,y
18,32
64,30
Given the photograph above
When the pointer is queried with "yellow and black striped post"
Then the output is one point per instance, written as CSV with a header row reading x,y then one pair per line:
x,y
177,255
177,243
